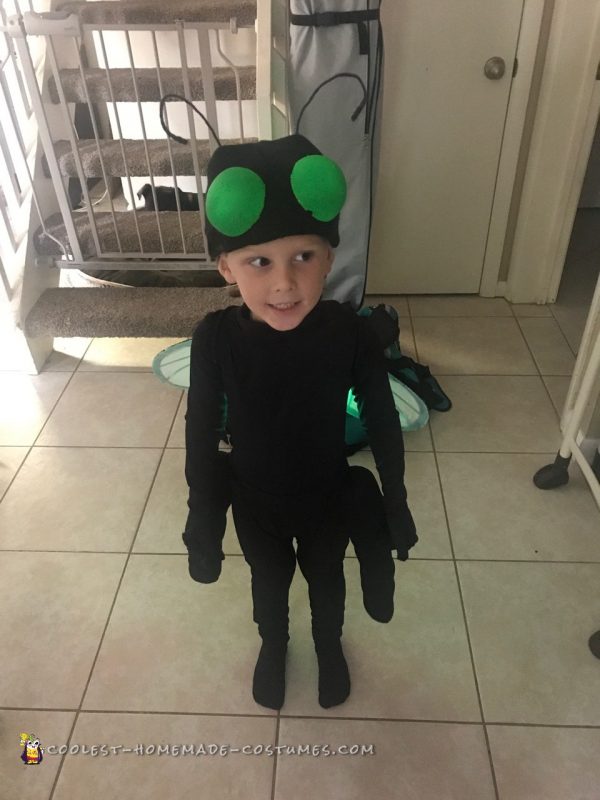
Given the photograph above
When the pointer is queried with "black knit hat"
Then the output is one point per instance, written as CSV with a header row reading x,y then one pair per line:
x,y
262,191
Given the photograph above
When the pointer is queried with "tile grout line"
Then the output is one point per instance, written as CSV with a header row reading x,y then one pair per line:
x,y
160,461
29,448
556,319
230,715
459,584
276,755
429,427
95,446
460,594
466,624
537,366
362,450
131,370
412,328
511,315
441,559
142,514
445,374
544,375
529,350
78,710
39,433
541,377
14,477
537,374
562,333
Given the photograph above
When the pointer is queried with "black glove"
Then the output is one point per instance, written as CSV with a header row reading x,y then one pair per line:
x,y
206,523
204,565
402,529
203,537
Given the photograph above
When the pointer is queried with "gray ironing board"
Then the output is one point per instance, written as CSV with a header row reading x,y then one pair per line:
x,y
328,42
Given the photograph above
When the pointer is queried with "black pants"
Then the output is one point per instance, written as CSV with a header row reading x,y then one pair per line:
x,y
266,527
322,525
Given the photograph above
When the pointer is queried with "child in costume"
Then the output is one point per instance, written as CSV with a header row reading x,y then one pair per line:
x,y
285,361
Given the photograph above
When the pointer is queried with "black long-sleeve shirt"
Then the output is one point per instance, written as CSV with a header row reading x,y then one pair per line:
x,y
286,394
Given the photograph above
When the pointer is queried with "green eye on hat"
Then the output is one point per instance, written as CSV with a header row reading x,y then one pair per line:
x,y
319,186
235,200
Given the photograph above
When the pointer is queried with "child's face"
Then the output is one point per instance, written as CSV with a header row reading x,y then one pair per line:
x,y
288,270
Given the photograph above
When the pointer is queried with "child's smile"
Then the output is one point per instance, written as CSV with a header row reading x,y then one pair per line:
x,y
280,281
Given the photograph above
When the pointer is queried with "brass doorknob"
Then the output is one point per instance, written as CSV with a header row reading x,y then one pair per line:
x,y
494,68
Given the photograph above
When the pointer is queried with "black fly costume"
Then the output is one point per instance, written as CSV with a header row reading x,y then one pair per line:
x,y
284,393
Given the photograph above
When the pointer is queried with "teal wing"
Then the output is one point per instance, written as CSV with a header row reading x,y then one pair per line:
x,y
413,412
411,409
172,365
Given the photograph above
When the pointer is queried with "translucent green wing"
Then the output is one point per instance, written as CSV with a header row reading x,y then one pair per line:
x,y
411,409
172,365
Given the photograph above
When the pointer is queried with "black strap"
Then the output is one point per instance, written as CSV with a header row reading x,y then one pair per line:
x,y
363,39
327,19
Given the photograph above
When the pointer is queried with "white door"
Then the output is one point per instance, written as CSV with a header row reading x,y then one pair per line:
x,y
442,128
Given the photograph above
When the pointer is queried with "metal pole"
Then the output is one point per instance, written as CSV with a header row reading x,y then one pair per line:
x,y
169,147
187,94
139,105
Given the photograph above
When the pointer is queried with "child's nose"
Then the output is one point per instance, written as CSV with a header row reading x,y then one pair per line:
x,y
284,274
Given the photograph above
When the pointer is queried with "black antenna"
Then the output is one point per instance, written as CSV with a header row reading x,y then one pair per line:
x,y
164,100
357,110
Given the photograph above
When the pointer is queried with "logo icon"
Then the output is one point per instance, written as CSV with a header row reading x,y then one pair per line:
x,y
32,752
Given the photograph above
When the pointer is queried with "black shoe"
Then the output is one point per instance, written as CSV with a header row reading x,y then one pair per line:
x,y
268,685
334,678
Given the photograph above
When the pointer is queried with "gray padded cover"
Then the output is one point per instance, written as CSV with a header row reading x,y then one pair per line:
x,y
315,55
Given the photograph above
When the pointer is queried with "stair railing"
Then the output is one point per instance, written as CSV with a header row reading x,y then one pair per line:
x,y
18,140
63,36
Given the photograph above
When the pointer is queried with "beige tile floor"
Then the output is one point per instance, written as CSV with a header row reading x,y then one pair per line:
x,y
482,686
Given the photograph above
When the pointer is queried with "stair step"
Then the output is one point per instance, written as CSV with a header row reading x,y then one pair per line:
x,y
169,225
123,87
138,312
152,12
126,278
135,155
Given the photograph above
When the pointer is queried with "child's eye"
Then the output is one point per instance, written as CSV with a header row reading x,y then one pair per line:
x,y
306,255
260,261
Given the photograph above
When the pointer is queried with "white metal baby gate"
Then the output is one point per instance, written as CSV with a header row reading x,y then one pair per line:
x,y
70,71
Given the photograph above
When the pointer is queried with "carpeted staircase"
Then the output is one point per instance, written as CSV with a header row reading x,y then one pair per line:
x,y
139,311
163,302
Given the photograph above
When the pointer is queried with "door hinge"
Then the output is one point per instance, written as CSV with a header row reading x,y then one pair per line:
x,y
598,72
516,67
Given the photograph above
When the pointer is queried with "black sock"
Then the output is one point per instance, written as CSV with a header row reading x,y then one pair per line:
x,y
334,678
268,686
